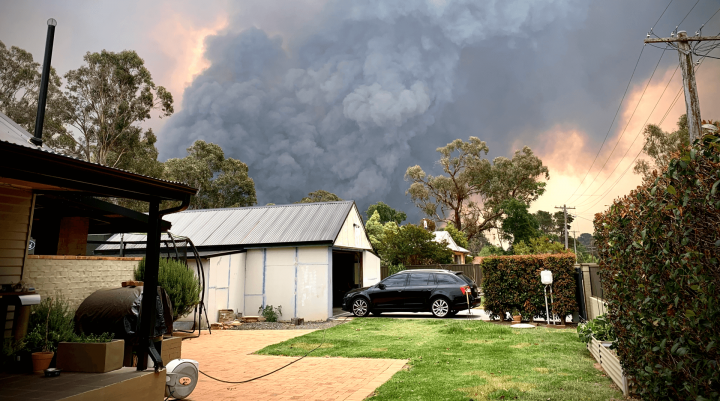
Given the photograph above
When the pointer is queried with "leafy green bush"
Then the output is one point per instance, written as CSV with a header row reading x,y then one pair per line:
x,y
513,282
180,283
51,322
599,327
269,313
392,269
93,338
538,246
659,252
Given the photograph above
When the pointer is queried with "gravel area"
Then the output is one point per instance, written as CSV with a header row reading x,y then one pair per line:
x,y
288,326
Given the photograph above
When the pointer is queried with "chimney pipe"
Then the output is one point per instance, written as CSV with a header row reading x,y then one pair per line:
x,y
42,95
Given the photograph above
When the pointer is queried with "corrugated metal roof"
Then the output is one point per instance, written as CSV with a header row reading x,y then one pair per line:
x,y
256,226
11,132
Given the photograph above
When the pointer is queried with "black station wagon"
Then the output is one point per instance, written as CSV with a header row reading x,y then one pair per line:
x,y
441,292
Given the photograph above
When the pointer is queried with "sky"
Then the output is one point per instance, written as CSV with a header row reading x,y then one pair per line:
x,y
345,96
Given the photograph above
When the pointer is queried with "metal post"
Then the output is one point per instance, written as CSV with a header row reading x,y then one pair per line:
x,y
692,103
547,310
150,283
44,81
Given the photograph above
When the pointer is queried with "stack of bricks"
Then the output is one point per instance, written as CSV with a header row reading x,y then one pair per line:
x,y
76,277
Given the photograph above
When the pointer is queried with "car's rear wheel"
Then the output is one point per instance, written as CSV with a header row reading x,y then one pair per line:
x,y
440,307
360,307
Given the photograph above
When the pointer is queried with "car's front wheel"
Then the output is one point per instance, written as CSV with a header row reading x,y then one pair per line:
x,y
360,307
440,307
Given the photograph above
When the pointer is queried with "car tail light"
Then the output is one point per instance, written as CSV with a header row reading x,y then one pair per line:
x,y
465,289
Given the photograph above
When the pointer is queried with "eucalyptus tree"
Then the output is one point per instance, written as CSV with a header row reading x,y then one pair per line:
x,y
472,189
109,96
19,83
222,181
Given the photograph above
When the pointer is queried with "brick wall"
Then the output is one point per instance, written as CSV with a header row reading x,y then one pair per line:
x,y
76,277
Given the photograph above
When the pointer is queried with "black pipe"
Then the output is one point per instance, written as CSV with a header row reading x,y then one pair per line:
x,y
44,81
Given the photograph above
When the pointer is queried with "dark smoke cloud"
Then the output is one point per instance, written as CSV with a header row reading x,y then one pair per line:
x,y
377,86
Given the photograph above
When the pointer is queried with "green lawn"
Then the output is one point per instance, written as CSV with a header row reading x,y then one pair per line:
x,y
457,360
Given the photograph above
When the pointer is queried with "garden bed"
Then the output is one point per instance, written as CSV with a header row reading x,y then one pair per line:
x,y
609,362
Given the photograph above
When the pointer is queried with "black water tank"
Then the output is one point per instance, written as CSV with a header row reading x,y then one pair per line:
x,y
117,310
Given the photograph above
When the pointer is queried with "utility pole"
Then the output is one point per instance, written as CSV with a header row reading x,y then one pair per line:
x,y
565,209
692,104
575,245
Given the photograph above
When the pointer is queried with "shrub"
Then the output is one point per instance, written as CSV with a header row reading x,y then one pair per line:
x,y
180,283
659,252
51,322
599,327
513,282
269,313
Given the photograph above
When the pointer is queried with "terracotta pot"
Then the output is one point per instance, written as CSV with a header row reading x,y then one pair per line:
x,y
41,360
517,318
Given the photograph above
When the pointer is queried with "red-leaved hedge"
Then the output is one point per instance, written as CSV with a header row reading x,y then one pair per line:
x,y
659,252
513,282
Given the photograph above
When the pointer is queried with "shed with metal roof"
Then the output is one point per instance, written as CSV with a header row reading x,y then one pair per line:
x,y
303,257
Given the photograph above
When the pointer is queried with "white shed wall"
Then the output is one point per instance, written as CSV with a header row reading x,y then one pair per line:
x,y
295,278
254,281
280,266
352,234
313,282
371,269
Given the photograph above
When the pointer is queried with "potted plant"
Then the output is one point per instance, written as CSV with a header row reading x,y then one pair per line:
x,y
517,317
41,360
50,322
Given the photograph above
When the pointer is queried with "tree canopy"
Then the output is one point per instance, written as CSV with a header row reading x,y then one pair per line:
x,y
107,99
517,223
320,196
471,190
386,213
413,245
19,85
659,148
222,182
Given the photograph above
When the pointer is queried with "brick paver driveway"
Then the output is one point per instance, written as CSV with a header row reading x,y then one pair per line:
x,y
226,355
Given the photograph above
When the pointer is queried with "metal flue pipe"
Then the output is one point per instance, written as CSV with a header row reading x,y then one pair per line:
x,y
44,81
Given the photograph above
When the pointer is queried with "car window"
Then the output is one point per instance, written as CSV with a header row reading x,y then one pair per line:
x,y
466,279
395,281
418,279
446,279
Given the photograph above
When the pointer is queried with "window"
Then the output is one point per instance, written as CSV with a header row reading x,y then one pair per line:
x,y
395,281
466,279
447,279
418,279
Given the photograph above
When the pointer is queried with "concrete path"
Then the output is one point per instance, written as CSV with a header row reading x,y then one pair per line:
x,y
226,355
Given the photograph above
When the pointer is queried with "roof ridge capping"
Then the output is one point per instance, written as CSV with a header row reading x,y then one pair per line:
x,y
270,206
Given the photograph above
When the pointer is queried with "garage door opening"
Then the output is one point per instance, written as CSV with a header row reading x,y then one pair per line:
x,y
346,274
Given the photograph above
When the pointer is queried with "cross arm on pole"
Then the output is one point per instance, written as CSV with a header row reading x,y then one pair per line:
x,y
682,39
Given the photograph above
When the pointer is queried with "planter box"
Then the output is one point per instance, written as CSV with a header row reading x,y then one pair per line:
x,y
170,349
609,362
90,357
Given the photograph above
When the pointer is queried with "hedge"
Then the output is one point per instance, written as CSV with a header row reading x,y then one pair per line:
x,y
659,248
513,282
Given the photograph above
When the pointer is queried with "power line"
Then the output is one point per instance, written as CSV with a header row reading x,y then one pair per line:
x,y
621,102
626,125
686,15
640,152
636,136
611,124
